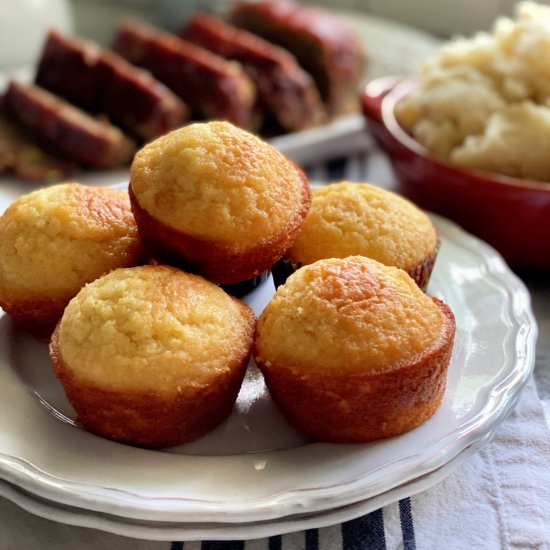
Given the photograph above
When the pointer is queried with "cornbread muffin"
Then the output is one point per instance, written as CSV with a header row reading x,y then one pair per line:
x,y
347,219
353,351
218,200
152,356
55,240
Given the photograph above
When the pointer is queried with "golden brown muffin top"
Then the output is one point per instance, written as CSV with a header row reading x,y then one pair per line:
x,y
348,219
153,328
56,239
347,315
216,181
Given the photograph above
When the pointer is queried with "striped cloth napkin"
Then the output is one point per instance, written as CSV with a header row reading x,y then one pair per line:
x,y
498,498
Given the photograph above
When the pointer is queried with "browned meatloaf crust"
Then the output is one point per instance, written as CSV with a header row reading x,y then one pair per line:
x,y
65,129
101,81
286,92
325,45
213,87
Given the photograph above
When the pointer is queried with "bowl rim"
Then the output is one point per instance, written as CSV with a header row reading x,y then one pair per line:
x,y
390,122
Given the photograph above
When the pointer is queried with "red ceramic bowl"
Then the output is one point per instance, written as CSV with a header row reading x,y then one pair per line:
x,y
511,214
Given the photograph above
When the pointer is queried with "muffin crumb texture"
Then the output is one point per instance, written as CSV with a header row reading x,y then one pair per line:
x,y
149,329
216,181
55,240
218,201
347,219
56,237
381,322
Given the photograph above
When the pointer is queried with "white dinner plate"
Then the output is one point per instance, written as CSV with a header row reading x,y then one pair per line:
x,y
254,468
151,530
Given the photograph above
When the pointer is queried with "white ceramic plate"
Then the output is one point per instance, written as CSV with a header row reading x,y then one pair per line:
x,y
182,531
254,468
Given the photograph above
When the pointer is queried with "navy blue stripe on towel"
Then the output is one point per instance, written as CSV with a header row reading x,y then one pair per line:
x,y
222,545
176,546
364,533
407,525
275,542
336,169
312,539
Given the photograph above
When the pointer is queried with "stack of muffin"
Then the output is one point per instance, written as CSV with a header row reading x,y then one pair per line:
x,y
150,341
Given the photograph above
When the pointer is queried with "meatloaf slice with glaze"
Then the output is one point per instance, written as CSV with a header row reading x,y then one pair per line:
x,y
66,130
101,81
213,87
286,92
67,68
324,44
137,101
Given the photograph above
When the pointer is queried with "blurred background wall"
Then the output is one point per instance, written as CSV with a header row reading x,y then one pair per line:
x,y
95,18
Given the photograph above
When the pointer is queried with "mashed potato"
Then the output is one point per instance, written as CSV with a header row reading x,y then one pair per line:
x,y
484,102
